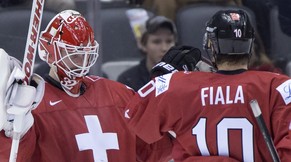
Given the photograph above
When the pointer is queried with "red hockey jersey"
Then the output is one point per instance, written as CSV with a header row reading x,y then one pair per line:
x,y
210,116
83,129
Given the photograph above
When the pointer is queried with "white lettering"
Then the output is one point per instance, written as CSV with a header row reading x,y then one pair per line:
x,y
228,100
211,95
146,89
239,96
222,95
203,95
219,96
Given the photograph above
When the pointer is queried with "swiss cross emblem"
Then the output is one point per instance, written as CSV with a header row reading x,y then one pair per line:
x,y
234,16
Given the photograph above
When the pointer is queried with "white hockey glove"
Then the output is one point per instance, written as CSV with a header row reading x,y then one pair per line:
x,y
17,98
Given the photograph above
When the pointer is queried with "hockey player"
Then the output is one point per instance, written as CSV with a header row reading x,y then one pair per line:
x,y
209,113
80,118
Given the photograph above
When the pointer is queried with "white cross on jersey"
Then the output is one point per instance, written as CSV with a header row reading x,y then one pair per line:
x,y
96,140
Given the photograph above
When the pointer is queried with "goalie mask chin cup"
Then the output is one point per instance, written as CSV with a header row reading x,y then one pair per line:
x,y
229,32
68,44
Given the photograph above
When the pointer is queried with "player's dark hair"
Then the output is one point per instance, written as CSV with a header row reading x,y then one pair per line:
x,y
232,59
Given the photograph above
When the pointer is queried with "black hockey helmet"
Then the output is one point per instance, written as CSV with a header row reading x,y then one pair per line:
x,y
229,32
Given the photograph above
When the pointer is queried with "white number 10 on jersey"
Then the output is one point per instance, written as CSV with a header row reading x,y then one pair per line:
x,y
223,127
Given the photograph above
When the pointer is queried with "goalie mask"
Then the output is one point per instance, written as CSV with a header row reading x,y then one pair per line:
x,y
68,46
229,32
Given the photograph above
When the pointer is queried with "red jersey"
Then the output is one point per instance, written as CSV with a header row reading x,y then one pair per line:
x,y
210,116
88,128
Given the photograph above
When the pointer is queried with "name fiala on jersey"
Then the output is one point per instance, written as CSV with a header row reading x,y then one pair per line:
x,y
222,95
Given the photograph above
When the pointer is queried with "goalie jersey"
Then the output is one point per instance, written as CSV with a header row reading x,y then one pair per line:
x,y
84,129
209,114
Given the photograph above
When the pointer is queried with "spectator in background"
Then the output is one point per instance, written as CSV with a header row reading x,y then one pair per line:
x,y
260,57
261,9
159,37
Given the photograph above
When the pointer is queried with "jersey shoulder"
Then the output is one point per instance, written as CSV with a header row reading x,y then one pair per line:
x,y
172,81
115,92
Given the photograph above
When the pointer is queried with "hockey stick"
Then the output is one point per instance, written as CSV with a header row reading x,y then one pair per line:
x,y
32,38
258,115
27,68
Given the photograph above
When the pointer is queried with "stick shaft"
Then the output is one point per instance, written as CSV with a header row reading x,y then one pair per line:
x,y
32,38
259,118
14,147
27,66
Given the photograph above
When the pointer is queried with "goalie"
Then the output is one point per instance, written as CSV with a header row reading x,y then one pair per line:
x,y
79,112
79,118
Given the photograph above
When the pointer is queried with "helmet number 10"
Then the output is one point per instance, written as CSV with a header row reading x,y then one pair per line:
x,y
237,33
